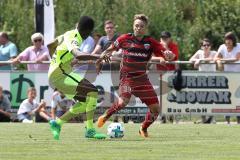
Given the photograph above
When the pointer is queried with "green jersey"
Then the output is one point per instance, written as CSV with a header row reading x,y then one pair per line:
x,y
63,56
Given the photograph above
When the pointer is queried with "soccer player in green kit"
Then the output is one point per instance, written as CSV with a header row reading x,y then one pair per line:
x,y
62,77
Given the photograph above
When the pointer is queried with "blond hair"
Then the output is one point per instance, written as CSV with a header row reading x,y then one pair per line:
x,y
141,17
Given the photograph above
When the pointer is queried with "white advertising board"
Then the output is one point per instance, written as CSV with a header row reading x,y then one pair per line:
x,y
15,84
203,93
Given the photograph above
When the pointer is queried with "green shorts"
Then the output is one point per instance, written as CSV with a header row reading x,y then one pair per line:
x,y
65,82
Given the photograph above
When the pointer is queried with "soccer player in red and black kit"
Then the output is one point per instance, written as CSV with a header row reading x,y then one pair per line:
x,y
137,50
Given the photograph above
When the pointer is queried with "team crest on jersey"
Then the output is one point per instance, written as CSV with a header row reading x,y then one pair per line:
x,y
116,43
147,46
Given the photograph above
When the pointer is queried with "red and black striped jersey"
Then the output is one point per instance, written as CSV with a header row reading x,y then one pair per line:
x,y
136,53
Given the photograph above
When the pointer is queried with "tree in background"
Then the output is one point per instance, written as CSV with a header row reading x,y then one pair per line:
x,y
187,20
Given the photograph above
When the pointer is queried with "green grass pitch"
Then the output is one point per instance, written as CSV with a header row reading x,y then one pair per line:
x,y
167,142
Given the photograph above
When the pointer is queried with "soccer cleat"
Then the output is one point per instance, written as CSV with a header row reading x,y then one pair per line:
x,y
91,133
143,132
101,121
55,129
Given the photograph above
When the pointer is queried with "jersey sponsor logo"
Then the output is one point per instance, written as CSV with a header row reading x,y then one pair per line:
x,y
138,54
147,46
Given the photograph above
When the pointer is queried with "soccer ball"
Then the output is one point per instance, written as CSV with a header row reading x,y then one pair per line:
x,y
115,130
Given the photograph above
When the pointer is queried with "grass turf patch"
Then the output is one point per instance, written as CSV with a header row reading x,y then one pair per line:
x,y
171,142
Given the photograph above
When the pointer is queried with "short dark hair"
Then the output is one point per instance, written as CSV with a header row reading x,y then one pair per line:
x,y
231,36
205,40
4,35
85,23
165,34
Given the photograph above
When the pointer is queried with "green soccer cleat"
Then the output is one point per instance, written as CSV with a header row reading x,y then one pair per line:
x,y
91,133
55,128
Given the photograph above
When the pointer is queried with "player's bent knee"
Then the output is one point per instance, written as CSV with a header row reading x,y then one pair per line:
x,y
78,107
155,108
83,89
123,102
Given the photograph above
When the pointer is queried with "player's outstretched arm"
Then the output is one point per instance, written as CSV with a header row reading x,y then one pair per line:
x,y
82,56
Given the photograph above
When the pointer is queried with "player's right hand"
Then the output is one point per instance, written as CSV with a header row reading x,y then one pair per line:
x,y
106,57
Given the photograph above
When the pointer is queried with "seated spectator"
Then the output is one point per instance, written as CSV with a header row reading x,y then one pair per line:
x,y
37,52
8,50
229,52
60,104
30,107
5,107
205,54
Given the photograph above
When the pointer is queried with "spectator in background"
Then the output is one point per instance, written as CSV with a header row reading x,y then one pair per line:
x,y
37,52
229,52
8,50
96,37
87,47
30,107
204,54
60,104
105,41
171,54
5,107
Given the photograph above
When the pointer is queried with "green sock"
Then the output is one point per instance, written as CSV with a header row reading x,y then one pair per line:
x,y
60,122
90,109
77,108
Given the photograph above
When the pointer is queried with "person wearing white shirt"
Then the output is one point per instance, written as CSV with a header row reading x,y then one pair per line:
x,y
87,47
30,107
229,52
204,54
60,104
